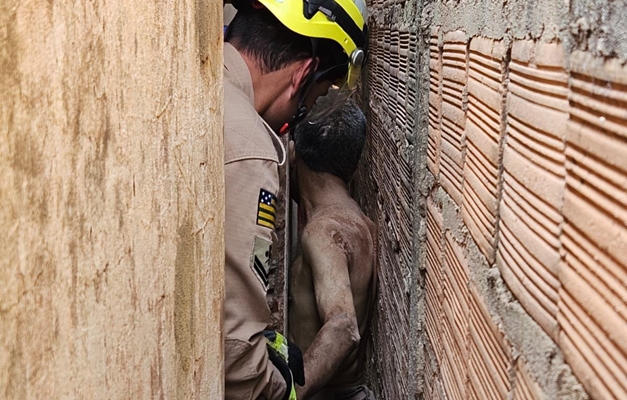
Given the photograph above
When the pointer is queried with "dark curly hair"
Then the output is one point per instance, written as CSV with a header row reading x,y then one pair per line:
x,y
334,144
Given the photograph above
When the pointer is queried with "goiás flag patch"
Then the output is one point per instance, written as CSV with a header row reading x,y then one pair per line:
x,y
266,209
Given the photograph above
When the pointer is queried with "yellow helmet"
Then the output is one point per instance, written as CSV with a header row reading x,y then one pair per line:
x,y
342,21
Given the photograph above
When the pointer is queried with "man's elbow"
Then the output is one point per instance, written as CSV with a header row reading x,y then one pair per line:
x,y
347,329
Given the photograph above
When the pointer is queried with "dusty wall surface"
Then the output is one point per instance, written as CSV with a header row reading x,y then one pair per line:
x,y
111,191
514,281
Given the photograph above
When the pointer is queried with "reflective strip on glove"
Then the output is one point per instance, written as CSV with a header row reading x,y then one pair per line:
x,y
278,353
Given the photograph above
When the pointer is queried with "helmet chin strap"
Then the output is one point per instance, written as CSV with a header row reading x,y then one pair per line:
x,y
299,116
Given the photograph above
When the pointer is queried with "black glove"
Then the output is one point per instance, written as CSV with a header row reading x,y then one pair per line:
x,y
283,368
295,362
288,352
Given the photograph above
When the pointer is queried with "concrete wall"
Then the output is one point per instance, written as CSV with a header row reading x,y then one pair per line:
x,y
508,278
111,191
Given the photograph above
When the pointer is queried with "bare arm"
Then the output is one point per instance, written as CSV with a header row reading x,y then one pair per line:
x,y
339,334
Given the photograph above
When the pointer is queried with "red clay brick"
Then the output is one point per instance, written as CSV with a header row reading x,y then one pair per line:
x,y
593,296
432,377
435,103
485,129
490,357
525,388
454,80
534,178
455,322
434,278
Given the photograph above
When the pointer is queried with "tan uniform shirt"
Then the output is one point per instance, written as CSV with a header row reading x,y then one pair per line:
x,y
252,183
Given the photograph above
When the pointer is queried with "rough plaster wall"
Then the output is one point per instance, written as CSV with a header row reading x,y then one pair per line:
x,y
111,191
518,128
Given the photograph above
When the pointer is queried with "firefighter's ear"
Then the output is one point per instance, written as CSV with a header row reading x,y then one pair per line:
x,y
301,71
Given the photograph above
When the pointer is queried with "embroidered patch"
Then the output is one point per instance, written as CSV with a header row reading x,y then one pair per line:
x,y
260,260
266,209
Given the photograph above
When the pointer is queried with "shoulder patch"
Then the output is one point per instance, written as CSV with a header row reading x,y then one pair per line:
x,y
260,260
266,209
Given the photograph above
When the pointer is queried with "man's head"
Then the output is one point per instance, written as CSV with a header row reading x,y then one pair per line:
x,y
300,47
333,145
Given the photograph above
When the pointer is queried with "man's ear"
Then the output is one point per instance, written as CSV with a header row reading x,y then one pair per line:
x,y
301,71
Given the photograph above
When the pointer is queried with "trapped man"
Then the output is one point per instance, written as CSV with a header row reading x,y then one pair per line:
x,y
333,280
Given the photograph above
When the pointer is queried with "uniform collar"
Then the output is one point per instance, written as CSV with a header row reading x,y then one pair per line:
x,y
236,70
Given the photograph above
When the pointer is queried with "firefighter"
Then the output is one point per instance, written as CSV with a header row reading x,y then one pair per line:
x,y
279,56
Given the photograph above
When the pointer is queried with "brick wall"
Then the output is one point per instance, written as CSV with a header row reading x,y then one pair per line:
x,y
384,186
495,170
543,187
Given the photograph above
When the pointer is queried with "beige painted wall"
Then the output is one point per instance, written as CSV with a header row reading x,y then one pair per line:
x,y
111,199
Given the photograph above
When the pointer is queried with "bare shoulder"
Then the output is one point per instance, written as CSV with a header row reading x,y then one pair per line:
x,y
343,228
321,233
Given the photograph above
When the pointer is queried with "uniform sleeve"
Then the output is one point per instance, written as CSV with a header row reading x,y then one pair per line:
x,y
249,372
251,189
